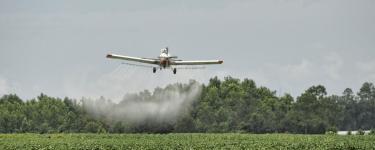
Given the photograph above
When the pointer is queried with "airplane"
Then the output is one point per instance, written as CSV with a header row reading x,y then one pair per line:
x,y
164,61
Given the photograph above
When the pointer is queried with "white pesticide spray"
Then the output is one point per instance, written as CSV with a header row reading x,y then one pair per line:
x,y
163,105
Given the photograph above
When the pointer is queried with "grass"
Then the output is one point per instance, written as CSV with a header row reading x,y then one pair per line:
x,y
183,141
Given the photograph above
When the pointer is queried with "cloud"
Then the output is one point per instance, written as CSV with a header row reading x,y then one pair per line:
x,y
366,70
332,66
295,77
4,87
276,72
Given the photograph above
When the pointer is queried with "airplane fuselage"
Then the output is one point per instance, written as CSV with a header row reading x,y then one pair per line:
x,y
164,62
165,58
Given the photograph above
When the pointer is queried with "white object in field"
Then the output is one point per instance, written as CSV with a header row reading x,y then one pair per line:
x,y
353,132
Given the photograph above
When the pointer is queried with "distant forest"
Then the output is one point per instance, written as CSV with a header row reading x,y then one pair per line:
x,y
228,105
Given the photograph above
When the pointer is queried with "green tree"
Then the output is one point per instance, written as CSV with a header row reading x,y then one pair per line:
x,y
306,113
366,117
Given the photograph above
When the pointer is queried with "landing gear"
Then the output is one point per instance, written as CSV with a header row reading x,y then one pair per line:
x,y
154,69
174,70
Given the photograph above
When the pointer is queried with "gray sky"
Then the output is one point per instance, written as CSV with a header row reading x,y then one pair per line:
x,y
59,47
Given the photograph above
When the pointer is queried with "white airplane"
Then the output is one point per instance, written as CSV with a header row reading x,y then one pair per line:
x,y
165,61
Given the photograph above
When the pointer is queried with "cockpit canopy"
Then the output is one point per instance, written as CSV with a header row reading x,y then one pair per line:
x,y
164,50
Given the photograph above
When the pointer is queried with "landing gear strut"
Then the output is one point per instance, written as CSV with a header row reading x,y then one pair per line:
x,y
154,69
174,70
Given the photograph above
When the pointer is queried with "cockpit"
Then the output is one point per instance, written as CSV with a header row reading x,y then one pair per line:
x,y
164,50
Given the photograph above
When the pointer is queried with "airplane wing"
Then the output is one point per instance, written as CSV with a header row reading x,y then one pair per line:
x,y
197,62
135,59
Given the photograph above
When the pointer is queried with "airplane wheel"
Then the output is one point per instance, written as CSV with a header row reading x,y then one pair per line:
x,y
154,70
174,71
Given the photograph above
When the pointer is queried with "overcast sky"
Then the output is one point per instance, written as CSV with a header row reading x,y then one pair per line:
x,y
59,47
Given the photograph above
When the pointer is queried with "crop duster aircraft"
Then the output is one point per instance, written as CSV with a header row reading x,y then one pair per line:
x,y
165,61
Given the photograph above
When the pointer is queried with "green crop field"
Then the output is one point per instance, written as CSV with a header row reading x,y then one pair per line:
x,y
184,141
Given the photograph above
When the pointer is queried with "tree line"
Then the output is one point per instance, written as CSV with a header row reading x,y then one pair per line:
x,y
227,105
